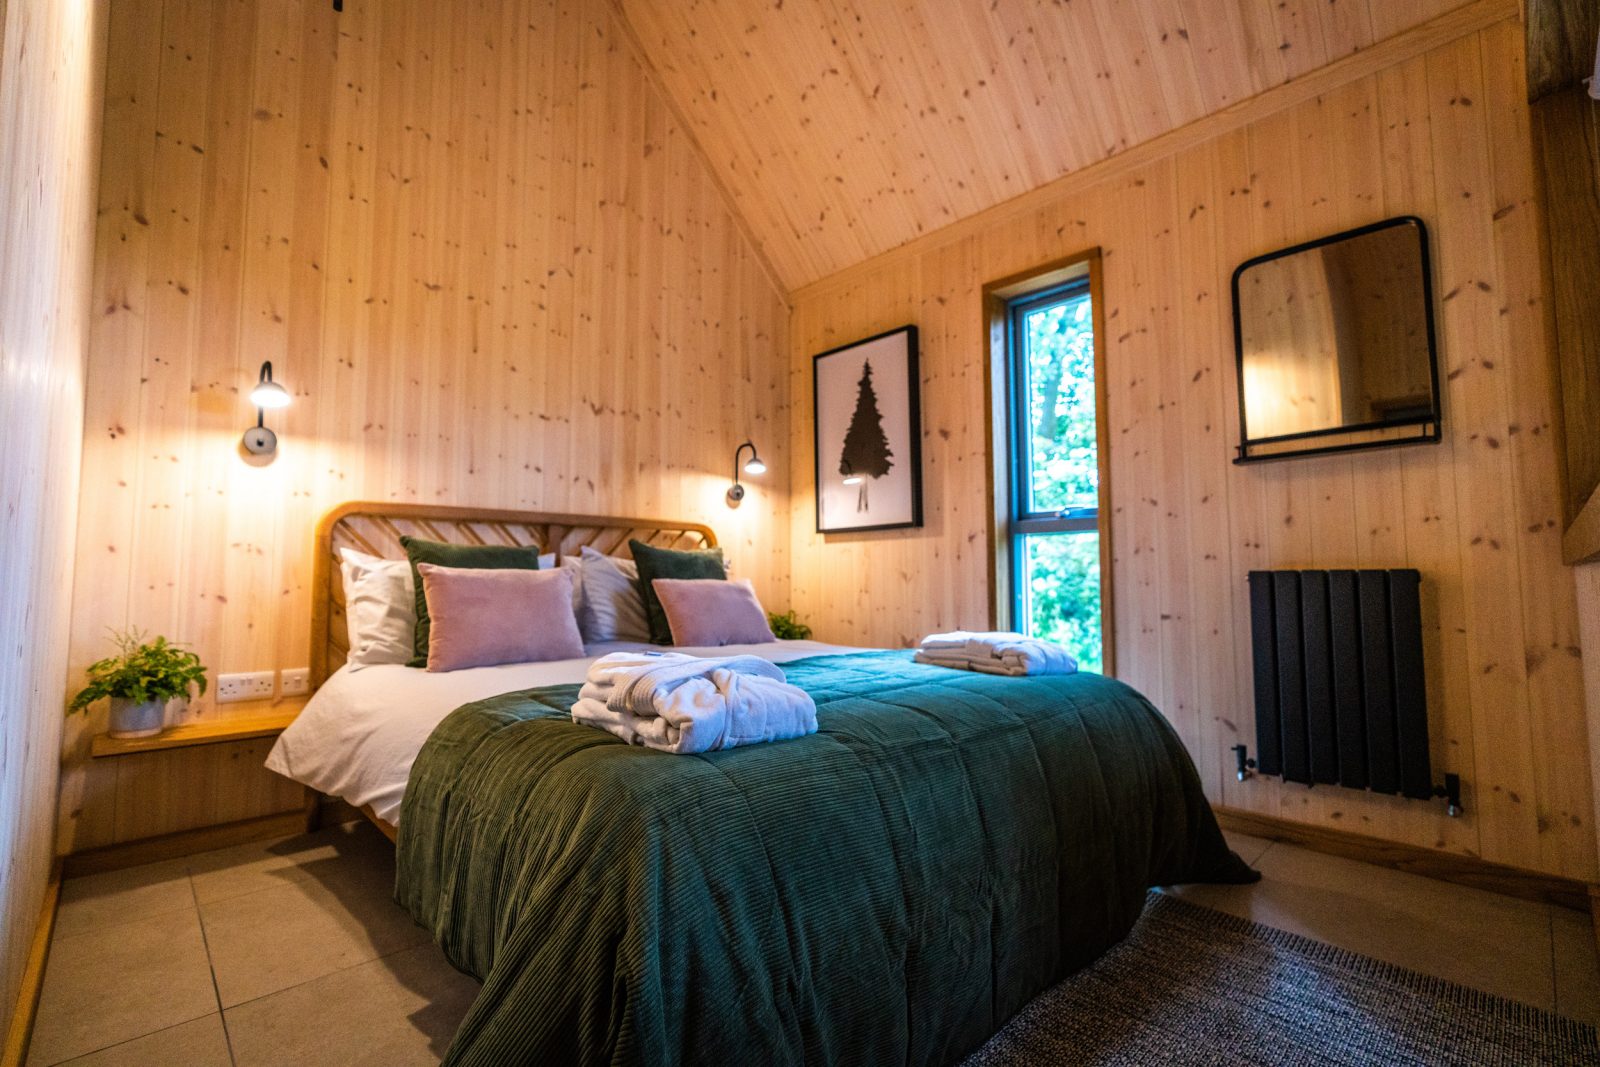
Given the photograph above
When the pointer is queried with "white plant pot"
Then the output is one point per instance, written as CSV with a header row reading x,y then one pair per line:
x,y
137,720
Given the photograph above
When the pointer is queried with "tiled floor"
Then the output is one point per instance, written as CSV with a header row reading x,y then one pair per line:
x,y
292,952
286,952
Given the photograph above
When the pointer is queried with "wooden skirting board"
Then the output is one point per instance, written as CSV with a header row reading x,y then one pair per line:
x,y
21,1031
189,842
1427,862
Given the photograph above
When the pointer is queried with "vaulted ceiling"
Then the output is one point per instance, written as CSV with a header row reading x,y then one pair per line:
x,y
842,128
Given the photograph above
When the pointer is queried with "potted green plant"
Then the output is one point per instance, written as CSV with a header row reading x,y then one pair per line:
x,y
787,626
139,681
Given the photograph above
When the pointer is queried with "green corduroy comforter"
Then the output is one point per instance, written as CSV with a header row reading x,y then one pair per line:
x,y
888,890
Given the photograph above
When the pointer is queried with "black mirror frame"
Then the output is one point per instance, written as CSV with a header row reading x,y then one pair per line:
x,y
1432,424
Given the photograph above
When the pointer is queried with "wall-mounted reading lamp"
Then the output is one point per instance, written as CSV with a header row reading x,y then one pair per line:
x,y
267,394
752,466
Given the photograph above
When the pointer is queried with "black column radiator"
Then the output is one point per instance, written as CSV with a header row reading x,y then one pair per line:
x,y
1340,693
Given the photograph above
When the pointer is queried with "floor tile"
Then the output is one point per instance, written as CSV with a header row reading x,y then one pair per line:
x,y
106,987
269,940
1246,847
1577,965
402,1009
200,1043
1498,944
99,901
232,872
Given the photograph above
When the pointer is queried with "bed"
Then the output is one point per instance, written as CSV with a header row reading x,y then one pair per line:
x,y
890,889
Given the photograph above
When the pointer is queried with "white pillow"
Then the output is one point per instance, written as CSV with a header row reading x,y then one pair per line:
x,y
547,562
380,608
612,609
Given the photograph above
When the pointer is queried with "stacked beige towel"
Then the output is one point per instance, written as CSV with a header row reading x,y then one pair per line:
x,y
994,652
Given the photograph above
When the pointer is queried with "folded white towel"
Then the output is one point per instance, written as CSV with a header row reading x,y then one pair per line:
x,y
994,652
685,704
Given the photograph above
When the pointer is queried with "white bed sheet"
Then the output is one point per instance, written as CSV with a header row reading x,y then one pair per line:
x,y
359,734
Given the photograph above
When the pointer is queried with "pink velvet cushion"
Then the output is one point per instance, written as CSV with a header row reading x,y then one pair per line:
x,y
484,617
704,612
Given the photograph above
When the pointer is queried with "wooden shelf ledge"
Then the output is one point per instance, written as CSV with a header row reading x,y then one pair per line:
x,y
209,732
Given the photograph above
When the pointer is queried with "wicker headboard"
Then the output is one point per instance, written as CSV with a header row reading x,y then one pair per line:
x,y
376,528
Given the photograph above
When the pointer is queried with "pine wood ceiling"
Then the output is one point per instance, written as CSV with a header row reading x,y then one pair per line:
x,y
842,128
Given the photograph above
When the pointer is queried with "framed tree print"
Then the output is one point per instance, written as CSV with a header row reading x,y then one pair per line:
x,y
868,434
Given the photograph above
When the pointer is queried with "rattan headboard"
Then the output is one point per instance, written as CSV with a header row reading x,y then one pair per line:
x,y
376,528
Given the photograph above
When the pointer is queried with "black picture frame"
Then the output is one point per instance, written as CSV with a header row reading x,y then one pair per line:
x,y
907,416
1430,425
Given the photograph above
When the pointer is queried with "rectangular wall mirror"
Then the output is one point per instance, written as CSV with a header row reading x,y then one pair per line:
x,y
1335,344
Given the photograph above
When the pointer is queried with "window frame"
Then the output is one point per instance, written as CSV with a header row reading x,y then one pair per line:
x,y
1006,302
1018,425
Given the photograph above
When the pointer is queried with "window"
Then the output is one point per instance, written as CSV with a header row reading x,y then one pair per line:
x,y
1053,543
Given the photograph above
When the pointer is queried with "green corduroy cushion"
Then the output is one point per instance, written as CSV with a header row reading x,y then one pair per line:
x,y
671,563
474,557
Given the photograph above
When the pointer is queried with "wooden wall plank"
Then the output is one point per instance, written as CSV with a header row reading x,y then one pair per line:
x,y
1475,370
1427,526
1550,646
51,81
1234,193
486,259
1441,135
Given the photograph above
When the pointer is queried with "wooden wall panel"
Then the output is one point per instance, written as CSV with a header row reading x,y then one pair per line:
x,y
1561,38
846,128
1442,134
51,65
1567,135
1588,582
488,261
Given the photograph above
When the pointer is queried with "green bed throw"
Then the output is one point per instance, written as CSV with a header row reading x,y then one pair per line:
x,y
889,890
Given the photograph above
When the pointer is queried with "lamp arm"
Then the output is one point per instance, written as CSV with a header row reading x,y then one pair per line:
x,y
261,379
739,452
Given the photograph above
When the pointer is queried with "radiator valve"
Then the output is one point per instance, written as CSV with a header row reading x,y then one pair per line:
x,y
1247,766
1451,791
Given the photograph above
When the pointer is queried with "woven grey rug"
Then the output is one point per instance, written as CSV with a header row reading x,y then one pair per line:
x,y
1195,986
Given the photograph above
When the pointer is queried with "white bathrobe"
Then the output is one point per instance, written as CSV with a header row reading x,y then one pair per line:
x,y
686,704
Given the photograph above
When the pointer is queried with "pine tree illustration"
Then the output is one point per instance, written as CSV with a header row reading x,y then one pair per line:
x,y
866,449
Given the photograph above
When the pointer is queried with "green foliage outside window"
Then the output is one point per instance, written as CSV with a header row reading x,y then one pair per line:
x,y
1060,348
1063,595
1061,571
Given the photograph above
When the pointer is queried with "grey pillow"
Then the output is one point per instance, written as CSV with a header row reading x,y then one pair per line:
x,y
611,608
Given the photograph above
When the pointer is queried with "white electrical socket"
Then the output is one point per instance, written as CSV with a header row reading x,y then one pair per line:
x,y
251,685
294,681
